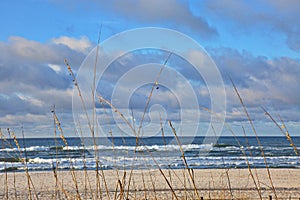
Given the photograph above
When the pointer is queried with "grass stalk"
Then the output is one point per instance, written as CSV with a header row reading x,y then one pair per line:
x,y
256,136
98,183
87,181
26,167
283,129
116,189
165,144
91,128
101,99
58,125
122,185
12,134
184,160
289,138
184,183
256,183
151,93
144,186
93,117
55,168
145,110
163,174
226,169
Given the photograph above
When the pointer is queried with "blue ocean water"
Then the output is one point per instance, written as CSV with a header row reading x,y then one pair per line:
x,y
123,153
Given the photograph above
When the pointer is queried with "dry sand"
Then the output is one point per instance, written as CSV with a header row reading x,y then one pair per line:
x,y
211,184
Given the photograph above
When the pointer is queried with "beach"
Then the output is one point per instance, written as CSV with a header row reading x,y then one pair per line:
x,y
151,184
159,172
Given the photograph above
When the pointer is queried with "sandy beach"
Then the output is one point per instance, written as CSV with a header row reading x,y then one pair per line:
x,y
151,184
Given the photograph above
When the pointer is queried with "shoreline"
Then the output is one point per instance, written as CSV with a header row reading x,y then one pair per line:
x,y
210,183
152,169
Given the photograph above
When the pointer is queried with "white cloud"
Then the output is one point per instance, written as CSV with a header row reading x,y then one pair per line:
x,y
55,68
31,100
81,45
26,118
32,80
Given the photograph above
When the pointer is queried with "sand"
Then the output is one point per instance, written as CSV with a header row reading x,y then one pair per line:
x,y
211,184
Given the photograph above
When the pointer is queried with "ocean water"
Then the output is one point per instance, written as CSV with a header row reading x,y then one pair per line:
x,y
123,153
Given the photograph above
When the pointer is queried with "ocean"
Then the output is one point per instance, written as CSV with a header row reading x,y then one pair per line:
x,y
122,153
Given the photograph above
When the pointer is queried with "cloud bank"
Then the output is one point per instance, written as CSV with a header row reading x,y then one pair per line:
x,y
238,35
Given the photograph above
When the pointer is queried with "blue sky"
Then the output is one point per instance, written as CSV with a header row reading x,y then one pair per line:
x,y
256,43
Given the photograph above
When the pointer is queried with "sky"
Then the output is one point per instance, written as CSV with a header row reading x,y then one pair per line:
x,y
254,43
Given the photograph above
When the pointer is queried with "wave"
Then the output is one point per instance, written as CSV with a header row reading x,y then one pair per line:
x,y
31,148
119,162
103,147
271,151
